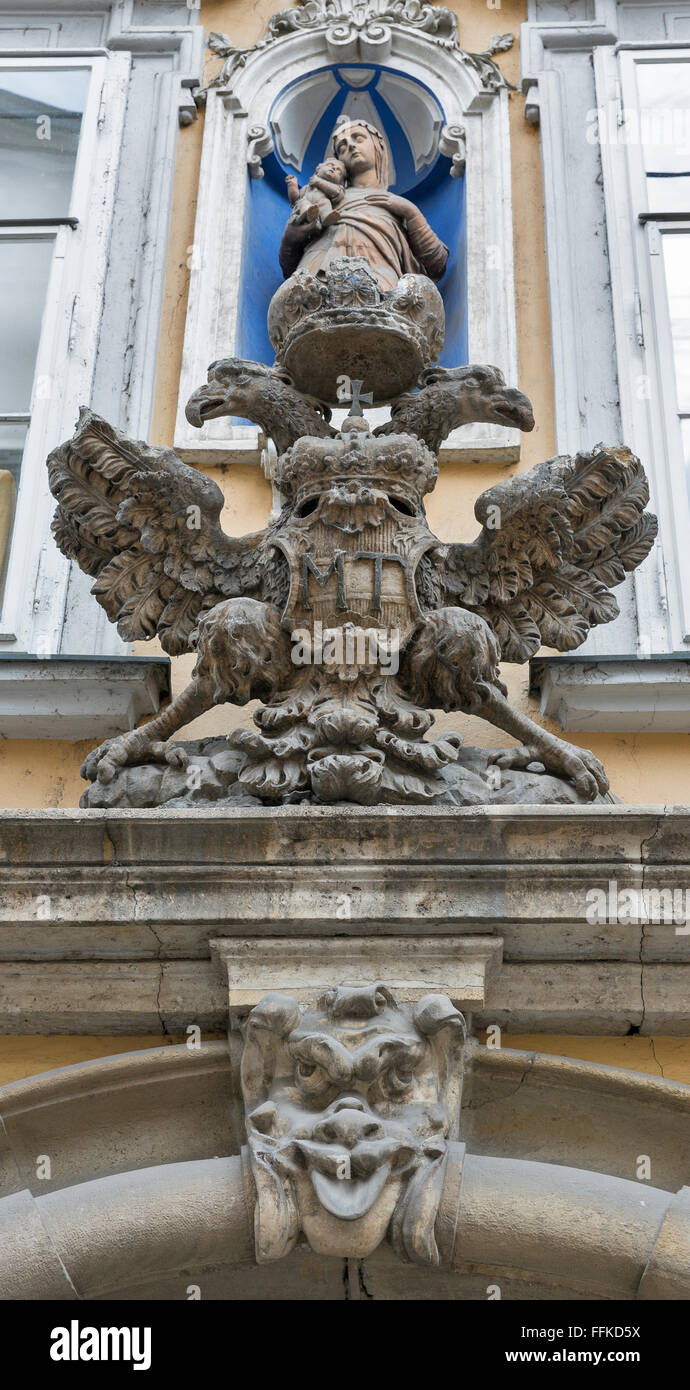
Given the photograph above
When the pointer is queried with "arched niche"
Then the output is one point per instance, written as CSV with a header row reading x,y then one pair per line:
x,y
446,121
301,123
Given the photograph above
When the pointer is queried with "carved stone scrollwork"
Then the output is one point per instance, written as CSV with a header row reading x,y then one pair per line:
x,y
259,144
453,145
350,1103
361,31
484,63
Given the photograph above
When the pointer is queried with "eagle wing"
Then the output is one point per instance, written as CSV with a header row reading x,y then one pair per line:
x,y
554,542
147,527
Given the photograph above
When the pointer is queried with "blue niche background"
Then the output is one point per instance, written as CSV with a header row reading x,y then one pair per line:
x,y
436,194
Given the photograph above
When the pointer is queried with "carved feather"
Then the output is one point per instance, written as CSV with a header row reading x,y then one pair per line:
x,y
147,527
554,542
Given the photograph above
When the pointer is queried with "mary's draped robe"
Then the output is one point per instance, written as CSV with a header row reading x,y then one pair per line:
x,y
367,229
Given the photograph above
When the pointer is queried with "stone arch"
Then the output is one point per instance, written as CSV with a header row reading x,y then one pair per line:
x,y
566,1230
139,1205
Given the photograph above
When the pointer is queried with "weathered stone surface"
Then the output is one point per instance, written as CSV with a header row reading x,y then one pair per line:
x,y
350,1103
580,1228
412,966
521,1224
472,780
176,1104
85,894
111,997
30,1266
167,1216
668,1270
345,615
572,997
361,622
168,1105
666,995
337,324
262,394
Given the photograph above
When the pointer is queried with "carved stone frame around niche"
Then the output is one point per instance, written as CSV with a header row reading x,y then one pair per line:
x,y
237,114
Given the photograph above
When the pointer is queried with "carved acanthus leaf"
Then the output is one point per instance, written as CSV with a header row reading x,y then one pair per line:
x,y
346,21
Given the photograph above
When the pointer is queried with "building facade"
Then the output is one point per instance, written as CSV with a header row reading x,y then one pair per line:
x,y
144,153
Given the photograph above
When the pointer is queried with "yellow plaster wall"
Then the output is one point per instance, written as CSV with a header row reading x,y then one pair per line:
x,y
31,1055
662,1056
642,767
37,774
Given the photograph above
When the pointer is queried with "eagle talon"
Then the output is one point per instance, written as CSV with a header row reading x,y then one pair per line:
x,y
562,759
127,750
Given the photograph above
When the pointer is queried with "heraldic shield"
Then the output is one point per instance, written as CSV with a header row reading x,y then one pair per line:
x,y
353,533
369,492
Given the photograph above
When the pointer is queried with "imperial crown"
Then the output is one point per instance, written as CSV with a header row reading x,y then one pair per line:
x,y
398,462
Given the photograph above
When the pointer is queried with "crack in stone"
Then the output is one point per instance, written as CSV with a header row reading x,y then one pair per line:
x,y
354,1292
110,860
55,1250
645,865
644,844
656,1059
498,1100
133,889
161,1020
642,998
159,951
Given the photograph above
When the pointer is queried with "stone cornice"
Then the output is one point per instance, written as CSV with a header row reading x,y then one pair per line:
x,y
83,894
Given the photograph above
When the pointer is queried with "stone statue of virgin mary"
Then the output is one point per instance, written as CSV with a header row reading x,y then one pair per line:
x,y
370,223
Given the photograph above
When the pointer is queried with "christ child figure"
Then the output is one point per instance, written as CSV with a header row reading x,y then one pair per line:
x,y
316,204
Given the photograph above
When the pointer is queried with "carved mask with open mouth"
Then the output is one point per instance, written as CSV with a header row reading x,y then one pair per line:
x,y
350,1104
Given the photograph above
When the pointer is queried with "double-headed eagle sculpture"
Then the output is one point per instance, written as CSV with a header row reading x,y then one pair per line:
x,y
346,616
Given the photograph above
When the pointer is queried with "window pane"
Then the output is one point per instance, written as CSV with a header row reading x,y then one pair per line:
x,y
12,439
40,119
24,269
685,427
664,130
677,266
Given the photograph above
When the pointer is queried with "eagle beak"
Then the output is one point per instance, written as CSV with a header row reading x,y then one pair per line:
x,y
516,410
205,404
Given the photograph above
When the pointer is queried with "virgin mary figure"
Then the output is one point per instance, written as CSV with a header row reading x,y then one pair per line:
x,y
387,231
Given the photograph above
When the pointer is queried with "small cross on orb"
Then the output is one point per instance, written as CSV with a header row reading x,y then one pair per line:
x,y
358,397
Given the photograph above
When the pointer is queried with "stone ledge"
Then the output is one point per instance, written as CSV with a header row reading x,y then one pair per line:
x,y
622,695
318,835
78,697
106,917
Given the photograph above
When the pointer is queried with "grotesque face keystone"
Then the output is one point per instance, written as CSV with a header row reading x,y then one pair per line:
x,y
350,1104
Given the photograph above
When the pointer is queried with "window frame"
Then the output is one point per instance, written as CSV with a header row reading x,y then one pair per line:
x,y
649,409
33,603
